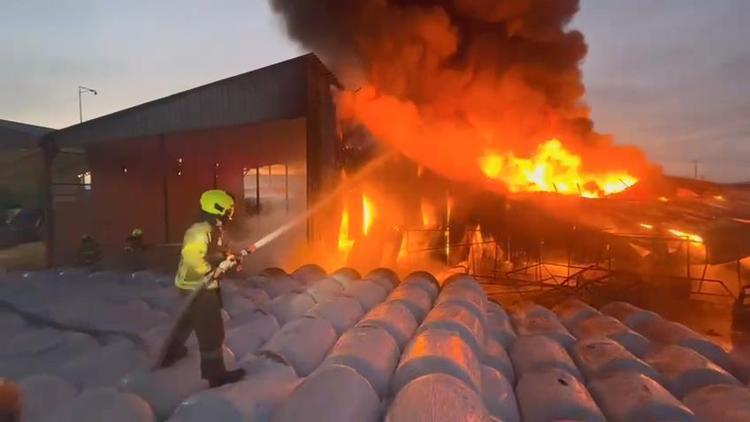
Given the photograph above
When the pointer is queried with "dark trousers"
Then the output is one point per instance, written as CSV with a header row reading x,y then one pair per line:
x,y
204,318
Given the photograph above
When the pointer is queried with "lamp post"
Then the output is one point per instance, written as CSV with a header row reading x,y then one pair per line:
x,y
83,90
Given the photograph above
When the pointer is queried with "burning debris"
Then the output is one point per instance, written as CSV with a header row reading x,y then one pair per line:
x,y
483,91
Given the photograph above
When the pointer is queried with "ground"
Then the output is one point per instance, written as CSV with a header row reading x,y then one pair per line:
x,y
28,256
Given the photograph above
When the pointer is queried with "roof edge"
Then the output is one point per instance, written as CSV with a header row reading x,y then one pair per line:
x,y
304,57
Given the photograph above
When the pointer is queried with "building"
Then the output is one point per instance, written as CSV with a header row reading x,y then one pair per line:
x,y
268,136
20,164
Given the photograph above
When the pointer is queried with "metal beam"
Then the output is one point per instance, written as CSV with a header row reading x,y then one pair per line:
x,y
49,151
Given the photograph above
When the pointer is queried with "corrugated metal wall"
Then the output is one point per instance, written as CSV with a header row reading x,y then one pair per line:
x,y
129,181
271,93
323,142
278,114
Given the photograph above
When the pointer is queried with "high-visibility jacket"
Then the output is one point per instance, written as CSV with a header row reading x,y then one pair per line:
x,y
202,251
89,252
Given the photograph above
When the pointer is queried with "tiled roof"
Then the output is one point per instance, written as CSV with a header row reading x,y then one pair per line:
x,y
338,347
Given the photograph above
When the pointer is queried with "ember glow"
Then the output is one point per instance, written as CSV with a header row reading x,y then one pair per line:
x,y
687,236
552,169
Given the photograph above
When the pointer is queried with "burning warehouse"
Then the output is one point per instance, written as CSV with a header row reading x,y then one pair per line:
x,y
491,161
454,137
485,99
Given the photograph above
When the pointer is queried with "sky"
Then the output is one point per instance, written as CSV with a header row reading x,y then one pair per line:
x,y
670,76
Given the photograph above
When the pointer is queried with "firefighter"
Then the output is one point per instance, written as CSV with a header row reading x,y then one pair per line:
x,y
204,254
89,253
134,251
134,242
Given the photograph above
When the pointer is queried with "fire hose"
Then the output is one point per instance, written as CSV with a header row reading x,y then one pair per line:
x,y
230,261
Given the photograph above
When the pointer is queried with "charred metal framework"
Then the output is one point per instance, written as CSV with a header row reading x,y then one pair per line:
x,y
533,274
558,245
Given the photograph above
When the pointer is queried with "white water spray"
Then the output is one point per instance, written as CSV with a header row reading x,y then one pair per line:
x,y
346,184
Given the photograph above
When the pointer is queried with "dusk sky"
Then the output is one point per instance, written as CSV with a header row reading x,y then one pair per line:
x,y
671,76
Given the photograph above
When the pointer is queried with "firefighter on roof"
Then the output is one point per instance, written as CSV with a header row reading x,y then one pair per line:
x,y
134,251
134,242
89,253
205,258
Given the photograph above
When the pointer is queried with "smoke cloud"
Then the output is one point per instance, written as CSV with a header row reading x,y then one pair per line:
x,y
447,81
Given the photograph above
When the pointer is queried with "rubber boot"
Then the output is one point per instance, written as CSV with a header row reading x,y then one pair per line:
x,y
213,370
173,355
228,377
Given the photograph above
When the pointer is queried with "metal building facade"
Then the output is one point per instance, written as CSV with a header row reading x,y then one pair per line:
x,y
150,163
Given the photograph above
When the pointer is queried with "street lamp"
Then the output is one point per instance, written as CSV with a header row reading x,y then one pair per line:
x,y
83,90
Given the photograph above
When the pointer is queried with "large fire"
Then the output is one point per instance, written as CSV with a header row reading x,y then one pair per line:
x,y
470,89
481,92
552,169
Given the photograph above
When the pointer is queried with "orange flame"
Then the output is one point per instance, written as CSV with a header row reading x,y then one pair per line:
x,y
403,251
345,243
368,214
346,239
429,215
552,169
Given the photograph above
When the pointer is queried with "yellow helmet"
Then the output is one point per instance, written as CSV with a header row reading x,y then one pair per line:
x,y
137,232
217,202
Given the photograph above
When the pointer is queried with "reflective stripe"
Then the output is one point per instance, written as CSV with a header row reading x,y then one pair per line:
x,y
200,244
213,354
194,284
188,285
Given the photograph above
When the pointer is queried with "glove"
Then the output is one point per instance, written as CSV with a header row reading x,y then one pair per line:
x,y
228,263
250,249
